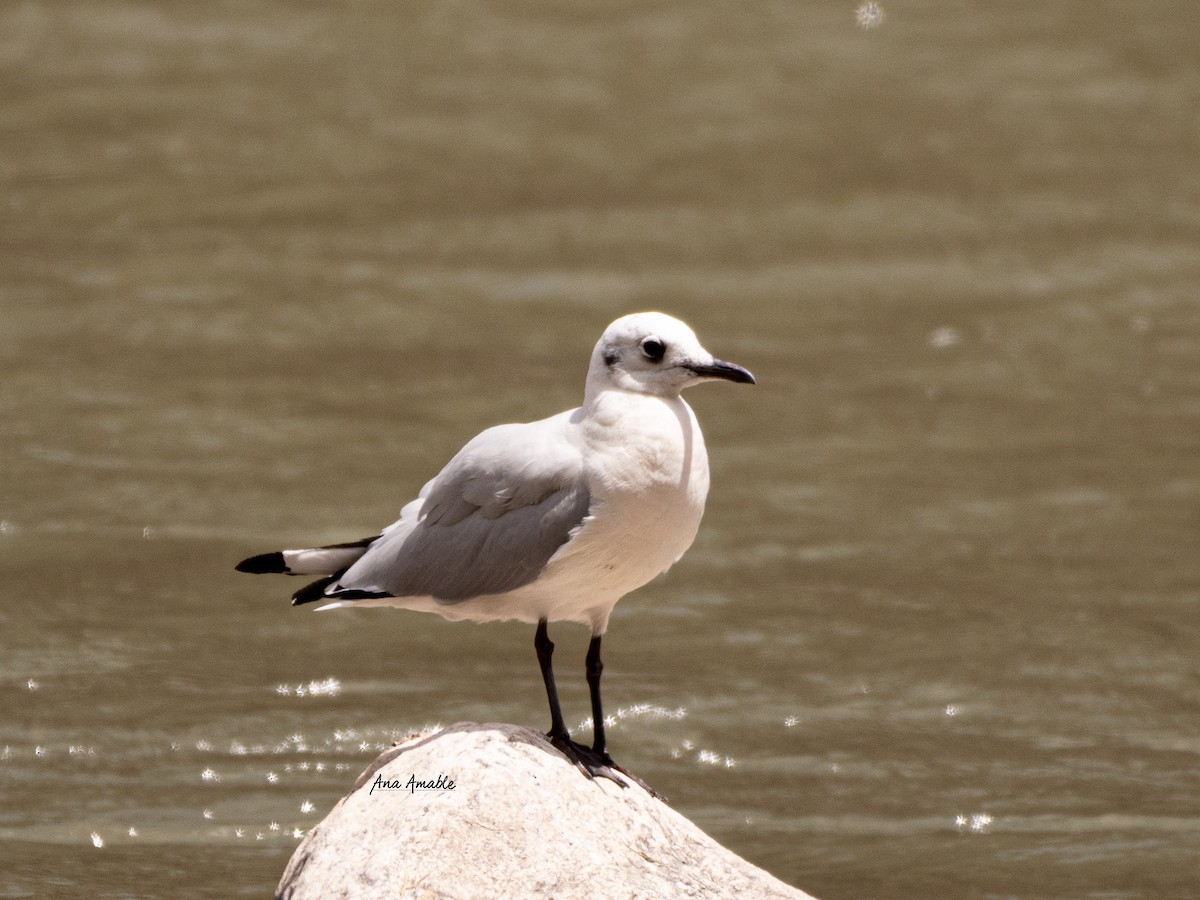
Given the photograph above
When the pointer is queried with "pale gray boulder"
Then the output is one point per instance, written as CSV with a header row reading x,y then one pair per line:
x,y
495,811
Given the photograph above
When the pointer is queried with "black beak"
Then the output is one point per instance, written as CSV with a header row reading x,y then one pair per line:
x,y
718,368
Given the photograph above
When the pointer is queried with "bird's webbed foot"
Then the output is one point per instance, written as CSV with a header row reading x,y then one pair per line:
x,y
595,764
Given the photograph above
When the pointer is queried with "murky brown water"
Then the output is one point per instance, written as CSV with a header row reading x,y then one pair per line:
x,y
265,266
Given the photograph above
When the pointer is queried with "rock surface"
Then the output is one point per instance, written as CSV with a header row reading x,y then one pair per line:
x,y
519,821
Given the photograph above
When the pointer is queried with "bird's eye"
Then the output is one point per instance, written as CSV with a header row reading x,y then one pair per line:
x,y
653,349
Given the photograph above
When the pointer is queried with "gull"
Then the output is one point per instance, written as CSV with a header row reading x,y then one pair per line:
x,y
548,521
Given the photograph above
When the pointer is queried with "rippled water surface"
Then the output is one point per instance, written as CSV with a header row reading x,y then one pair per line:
x,y
265,266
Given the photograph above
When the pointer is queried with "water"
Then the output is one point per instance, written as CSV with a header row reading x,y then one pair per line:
x,y
264,267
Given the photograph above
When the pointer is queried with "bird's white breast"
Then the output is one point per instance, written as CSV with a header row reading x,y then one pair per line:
x,y
647,475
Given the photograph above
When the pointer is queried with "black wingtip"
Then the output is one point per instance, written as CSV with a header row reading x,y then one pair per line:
x,y
263,564
315,591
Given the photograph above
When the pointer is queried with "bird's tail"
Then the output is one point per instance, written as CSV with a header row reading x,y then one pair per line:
x,y
331,561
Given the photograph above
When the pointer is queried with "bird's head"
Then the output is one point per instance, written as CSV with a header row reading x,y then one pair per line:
x,y
653,353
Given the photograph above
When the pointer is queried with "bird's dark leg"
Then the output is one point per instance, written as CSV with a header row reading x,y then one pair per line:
x,y
599,748
587,760
594,669
545,650
593,761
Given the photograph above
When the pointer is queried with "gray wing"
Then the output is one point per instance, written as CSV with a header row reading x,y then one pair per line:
x,y
488,523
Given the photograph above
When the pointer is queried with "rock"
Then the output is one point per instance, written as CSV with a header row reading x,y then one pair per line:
x,y
504,814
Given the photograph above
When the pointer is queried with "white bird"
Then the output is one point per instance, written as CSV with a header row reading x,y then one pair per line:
x,y
548,521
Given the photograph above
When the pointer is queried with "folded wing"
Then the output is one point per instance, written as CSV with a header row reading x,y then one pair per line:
x,y
487,524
